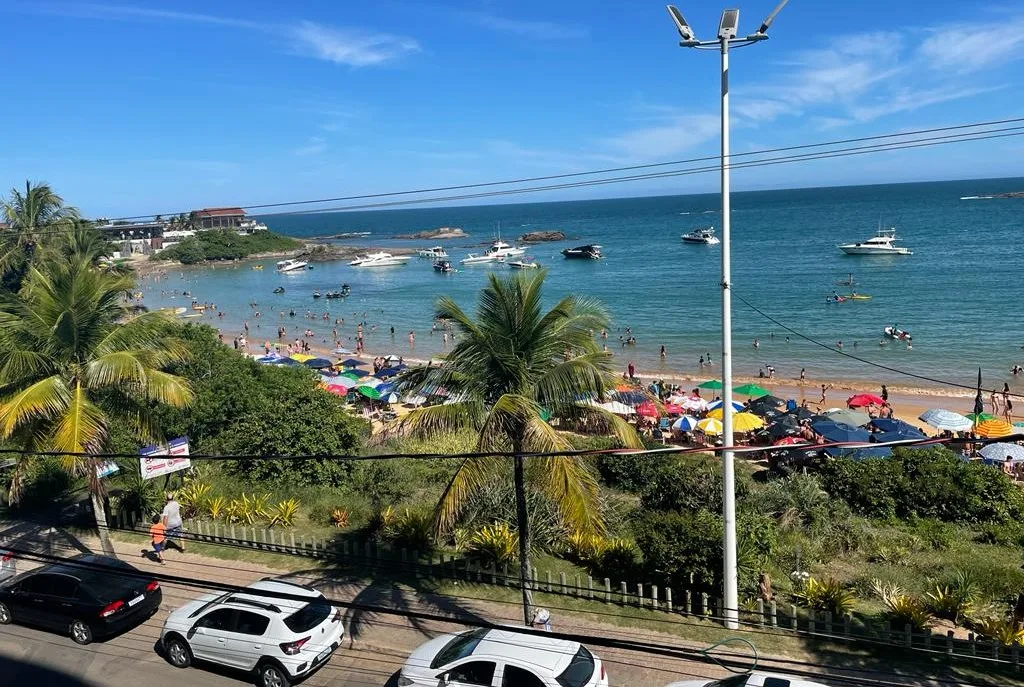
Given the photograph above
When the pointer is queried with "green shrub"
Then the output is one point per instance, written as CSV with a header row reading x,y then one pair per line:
x,y
632,473
689,484
948,603
827,595
677,545
618,561
794,501
140,495
1002,630
225,244
905,610
497,544
1001,534
412,529
938,535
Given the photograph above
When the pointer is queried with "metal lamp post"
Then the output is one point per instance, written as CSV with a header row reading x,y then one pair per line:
x,y
727,37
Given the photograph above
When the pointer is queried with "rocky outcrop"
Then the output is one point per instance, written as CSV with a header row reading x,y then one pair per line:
x,y
539,236
441,233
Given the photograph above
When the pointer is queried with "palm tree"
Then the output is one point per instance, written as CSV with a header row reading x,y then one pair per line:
x,y
31,215
73,362
512,362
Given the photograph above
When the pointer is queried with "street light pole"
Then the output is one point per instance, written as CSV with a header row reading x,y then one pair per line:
x,y
727,37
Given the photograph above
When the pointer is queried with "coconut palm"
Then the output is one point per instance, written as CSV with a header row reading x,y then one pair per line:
x,y
73,362
31,216
513,362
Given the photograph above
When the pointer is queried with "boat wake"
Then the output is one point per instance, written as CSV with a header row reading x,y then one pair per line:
x,y
976,197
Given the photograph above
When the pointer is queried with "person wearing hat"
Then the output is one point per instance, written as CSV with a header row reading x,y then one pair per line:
x,y
171,518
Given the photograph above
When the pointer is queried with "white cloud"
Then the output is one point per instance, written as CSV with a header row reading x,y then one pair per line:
x,y
540,30
761,109
907,100
678,134
353,47
314,146
972,47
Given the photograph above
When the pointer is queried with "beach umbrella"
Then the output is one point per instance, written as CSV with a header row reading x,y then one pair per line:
x,y
885,424
369,392
710,425
777,430
710,384
337,390
631,397
624,387
277,360
857,453
1018,424
391,398
617,408
717,414
694,403
318,363
386,388
751,390
746,422
353,375
979,417
685,424
789,441
861,400
849,417
647,409
718,404
840,432
946,420
350,362
993,428
301,357
767,401
885,437
997,453
415,401
673,409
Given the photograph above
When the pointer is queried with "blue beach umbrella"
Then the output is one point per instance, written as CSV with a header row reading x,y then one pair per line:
x,y
718,404
885,424
998,452
685,424
837,431
858,453
318,363
351,362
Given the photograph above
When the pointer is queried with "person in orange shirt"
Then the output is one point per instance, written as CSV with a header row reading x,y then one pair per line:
x,y
157,535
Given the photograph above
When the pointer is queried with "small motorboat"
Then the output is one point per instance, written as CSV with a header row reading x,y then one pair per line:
x,y
316,294
523,265
895,332
882,243
436,252
443,266
257,267
705,235
380,260
291,265
589,252
473,259
846,282
279,289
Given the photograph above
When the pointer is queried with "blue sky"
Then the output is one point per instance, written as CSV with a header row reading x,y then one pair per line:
x,y
167,105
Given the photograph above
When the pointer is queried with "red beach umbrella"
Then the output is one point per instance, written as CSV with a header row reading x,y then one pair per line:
x,y
861,400
337,389
786,441
647,409
673,409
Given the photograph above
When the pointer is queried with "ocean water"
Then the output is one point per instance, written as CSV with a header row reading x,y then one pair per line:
x,y
961,294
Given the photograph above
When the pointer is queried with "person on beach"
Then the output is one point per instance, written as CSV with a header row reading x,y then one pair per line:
x,y
885,393
1008,410
994,400
156,538
664,354
757,344
824,388
631,370
803,374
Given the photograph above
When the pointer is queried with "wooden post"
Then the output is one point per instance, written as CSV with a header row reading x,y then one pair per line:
x,y
291,536
793,621
688,608
590,587
273,544
828,622
547,576
760,612
561,581
704,604
949,642
576,584
974,644
668,599
811,616
625,594
773,619
640,594
1015,655
654,596
494,572
908,635
846,624
216,531
607,590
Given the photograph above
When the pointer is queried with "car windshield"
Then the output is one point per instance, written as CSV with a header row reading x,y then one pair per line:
x,y
309,616
459,647
208,604
106,586
579,671
732,681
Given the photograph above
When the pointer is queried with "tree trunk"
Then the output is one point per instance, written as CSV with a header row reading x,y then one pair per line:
x,y
523,522
101,523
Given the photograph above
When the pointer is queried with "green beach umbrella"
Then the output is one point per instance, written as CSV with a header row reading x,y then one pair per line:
x,y
354,376
751,390
369,392
979,417
710,384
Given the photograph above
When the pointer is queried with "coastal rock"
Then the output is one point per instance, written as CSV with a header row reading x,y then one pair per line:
x,y
441,233
538,236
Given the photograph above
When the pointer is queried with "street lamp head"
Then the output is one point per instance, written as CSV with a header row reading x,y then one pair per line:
x,y
685,32
769,19
727,26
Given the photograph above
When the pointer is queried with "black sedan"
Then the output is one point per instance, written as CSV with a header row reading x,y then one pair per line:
x,y
81,600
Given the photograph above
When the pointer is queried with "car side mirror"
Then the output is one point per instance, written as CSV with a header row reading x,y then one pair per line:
x,y
446,679
196,629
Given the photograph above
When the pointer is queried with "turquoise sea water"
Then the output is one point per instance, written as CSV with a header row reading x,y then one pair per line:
x,y
961,294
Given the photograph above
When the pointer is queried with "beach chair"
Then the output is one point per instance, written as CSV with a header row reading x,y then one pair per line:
x,y
664,425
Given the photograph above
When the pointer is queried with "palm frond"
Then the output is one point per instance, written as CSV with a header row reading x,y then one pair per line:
x,y
81,429
44,400
472,475
571,484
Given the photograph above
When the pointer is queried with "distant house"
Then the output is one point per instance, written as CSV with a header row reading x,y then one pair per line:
x,y
219,218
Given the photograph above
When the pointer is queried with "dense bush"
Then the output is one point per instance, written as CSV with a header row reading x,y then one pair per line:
x,y
631,473
924,483
675,544
688,484
225,244
243,408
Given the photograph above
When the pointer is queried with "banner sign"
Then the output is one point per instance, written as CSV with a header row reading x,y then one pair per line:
x,y
163,460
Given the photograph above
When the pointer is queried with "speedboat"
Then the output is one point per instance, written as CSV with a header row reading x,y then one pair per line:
x,y
443,266
473,259
291,265
380,260
279,289
523,265
316,294
897,333
882,243
705,235
500,249
589,252
437,253
257,267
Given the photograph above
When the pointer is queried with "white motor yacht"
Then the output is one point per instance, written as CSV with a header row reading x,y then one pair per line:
x,y
291,265
882,243
380,260
435,253
525,264
500,249
705,235
473,259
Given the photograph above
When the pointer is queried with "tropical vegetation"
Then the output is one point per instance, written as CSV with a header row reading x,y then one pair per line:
x,y
225,244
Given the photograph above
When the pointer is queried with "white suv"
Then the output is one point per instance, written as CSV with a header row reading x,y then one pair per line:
x,y
280,630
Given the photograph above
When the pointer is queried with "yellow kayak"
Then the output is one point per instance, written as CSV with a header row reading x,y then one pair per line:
x,y
859,297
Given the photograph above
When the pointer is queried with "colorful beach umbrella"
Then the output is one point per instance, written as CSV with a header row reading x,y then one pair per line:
x,y
751,390
694,403
352,375
861,400
647,409
710,384
946,420
337,390
301,357
993,428
710,425
718,404
746,422
673,409
617,408
717,412
979,417
997,453
350,362
685,424
844,416
369,392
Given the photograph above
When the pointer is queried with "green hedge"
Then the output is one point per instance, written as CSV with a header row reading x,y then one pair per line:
x,y
225,244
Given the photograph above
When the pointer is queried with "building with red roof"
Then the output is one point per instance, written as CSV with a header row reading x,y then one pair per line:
x,y
219,218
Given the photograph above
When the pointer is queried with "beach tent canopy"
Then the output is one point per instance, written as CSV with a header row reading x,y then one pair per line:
x,y
318,363
617,408
751,390
849,417
673,409
946,420
840,432
912,434
998,452
685,424
991,429
861,400
887,424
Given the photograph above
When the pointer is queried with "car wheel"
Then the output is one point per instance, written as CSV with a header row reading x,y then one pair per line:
x,y
80,632
178,653
5,615
271,675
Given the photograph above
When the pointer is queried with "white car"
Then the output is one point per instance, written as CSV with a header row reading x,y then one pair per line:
x,y
750,680
501,658
279,639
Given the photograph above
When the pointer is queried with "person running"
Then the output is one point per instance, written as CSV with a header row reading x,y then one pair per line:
x,y
171,519
824,389
157,537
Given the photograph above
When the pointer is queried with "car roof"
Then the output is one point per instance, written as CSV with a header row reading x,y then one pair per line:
x,y
552,655
87,559
270,601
